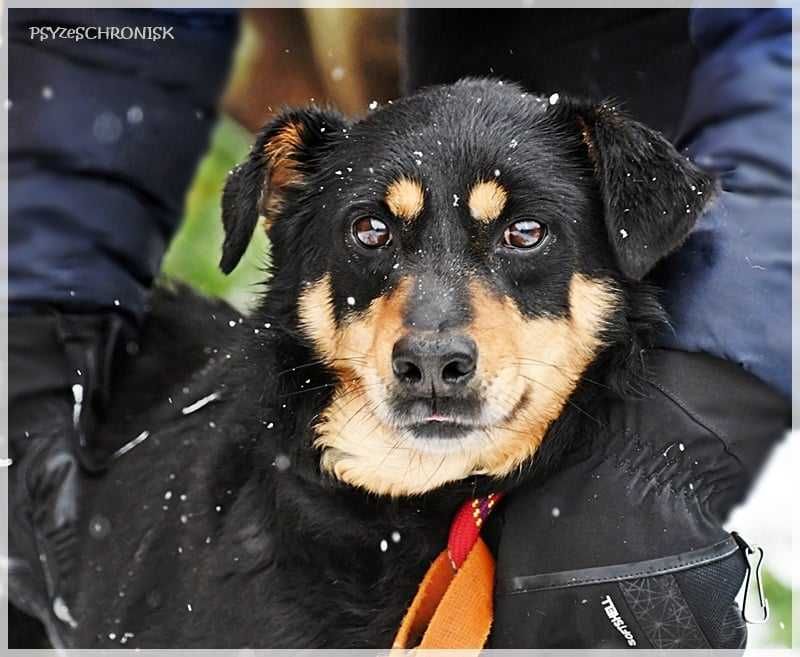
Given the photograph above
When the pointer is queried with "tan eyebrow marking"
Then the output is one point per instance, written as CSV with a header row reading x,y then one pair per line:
x,y
487,200
405,198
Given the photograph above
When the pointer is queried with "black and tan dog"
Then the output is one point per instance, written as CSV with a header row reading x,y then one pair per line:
x,y
455,290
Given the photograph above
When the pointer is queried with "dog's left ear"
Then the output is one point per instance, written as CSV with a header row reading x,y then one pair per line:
x,y
284,153
652,195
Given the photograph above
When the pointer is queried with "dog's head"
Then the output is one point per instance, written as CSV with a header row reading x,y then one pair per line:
x,y
456,259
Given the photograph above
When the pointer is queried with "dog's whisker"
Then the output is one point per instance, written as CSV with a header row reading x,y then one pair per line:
x,y
436,471
321,361
322,386
566,400
560,368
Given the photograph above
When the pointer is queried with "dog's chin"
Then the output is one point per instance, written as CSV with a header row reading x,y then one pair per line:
x,y
443,437
408,454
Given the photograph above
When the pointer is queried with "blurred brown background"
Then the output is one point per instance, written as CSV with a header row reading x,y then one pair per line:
x,y
345,57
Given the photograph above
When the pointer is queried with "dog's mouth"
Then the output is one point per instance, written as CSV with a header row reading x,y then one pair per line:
x,y
441,426
432,417
431,420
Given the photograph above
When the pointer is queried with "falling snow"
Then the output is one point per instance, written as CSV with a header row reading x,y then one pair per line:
x,y
99,527
77,395
200,403
134,115
127,447
62,612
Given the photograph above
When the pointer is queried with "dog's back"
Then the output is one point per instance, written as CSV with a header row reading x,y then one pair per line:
x,y
163,483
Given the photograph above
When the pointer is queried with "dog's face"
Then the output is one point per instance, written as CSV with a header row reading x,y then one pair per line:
x,y
456,259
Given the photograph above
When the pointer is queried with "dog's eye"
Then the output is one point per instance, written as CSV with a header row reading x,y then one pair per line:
x,y
371,232
524,234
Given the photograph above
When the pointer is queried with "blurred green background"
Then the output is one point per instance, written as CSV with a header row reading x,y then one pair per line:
x,y
193,258
195,250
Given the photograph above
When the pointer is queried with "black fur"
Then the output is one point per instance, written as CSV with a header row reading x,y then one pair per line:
x,y
264,550
651,196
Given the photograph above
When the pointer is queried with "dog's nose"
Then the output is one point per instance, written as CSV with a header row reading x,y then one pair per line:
x,y
444,362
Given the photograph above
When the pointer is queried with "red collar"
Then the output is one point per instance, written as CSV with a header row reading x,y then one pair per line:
x,y
466,527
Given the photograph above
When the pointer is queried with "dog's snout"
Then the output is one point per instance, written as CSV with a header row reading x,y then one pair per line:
x,y
445,363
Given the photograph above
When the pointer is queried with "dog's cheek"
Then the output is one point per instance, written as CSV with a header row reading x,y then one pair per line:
x,y
496,327
371,335
362,341
316,318
554,353
357,446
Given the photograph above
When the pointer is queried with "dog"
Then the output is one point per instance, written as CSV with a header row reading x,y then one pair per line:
x,y
456,287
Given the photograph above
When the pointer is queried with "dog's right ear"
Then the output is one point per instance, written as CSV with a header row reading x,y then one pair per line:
x,y
283,154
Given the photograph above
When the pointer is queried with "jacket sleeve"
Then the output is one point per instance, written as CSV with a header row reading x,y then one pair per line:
x,y
729,287
104,137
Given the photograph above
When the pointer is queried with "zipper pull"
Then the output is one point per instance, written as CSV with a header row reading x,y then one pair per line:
x,y
755,558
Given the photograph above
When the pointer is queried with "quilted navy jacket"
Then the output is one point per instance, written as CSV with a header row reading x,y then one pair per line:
x,y
729,287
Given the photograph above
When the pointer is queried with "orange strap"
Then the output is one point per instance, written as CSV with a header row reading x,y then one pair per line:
x,y
451,609
453,606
